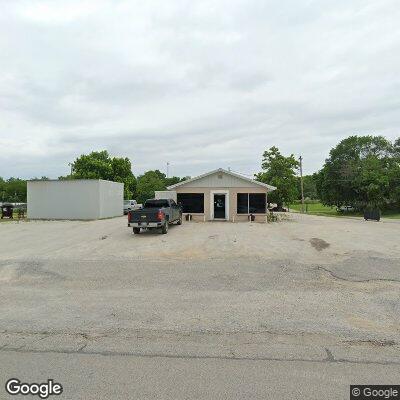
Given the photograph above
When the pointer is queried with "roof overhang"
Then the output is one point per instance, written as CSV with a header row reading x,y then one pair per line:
x,y
236,175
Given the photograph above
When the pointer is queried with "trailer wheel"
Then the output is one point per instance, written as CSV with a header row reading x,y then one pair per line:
x,y
136,231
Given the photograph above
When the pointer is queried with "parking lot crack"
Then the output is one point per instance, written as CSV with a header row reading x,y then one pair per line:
x,y
329,355
82,348
231,357
334,275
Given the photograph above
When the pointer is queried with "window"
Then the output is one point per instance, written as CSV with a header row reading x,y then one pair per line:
x,y
191,202
156,203
242,203
251,203
257,203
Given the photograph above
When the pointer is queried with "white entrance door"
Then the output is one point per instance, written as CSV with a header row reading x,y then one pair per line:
x,y
219,204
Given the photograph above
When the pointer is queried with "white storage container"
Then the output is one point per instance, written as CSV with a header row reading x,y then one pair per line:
x,y
75,199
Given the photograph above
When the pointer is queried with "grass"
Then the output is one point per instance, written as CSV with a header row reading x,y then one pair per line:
x,y
391,214
316,208
320,209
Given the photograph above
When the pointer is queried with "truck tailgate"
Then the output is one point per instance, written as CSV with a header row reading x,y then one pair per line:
x,y
144,215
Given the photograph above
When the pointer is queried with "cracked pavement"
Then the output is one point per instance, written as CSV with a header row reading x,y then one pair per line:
x,y
312,294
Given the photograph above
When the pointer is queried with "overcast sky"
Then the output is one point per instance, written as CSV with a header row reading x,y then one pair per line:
x,y
201,84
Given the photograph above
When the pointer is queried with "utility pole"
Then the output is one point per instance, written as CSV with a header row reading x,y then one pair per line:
x,y
167,169
301,184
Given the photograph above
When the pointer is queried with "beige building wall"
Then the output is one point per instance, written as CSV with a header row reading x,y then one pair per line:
x,y
233,191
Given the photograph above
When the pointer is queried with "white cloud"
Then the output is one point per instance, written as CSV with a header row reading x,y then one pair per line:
x,y
54,11
199,84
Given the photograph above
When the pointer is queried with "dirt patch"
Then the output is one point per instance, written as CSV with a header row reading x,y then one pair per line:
x,y
27,272
319,244
370,325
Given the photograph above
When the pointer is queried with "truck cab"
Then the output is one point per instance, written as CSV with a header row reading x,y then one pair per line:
x,y
130,205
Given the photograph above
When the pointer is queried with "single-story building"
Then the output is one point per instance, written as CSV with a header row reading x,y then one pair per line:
x,y
80,199
222,195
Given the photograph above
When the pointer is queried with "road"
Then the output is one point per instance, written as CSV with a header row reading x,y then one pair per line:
x,y
94,376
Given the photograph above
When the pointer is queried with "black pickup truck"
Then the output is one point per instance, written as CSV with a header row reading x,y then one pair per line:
x,y
156,214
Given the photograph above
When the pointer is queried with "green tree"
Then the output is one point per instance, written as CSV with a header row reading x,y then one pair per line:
x,y
99,165
2,189
362,171
279,171
396,146
96,165
173,180
310,187
148,183
152,181
13,190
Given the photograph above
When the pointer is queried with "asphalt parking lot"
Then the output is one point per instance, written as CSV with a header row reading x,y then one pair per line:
x,y
309,297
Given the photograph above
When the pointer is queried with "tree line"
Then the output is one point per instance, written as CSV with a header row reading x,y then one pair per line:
x,y
99,165
361,171
13,190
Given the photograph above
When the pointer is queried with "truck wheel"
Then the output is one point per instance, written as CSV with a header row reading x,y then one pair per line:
x,y
179,220
164,229
136,231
